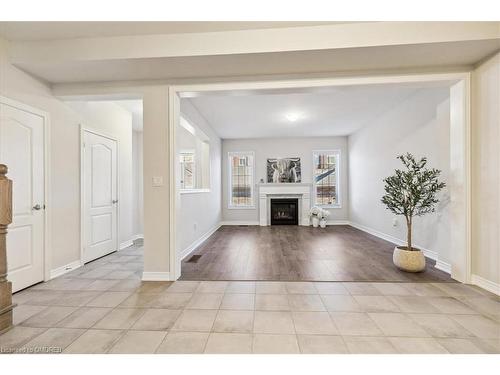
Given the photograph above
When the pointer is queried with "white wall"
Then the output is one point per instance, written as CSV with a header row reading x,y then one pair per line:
x,y
156,164
64,161
419,125
137,190
486,171
200,213
285,147
64,155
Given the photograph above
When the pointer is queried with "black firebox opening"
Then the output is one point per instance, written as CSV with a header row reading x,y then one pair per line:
x,y
285,211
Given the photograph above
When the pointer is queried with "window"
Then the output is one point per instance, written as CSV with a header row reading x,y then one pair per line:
x,y
188,177
194,158
241,180
326,166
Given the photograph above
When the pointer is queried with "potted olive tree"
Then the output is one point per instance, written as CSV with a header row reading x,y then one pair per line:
x,y
411,192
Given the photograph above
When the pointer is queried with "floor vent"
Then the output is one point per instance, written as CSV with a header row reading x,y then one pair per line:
x,y
194,259
243,226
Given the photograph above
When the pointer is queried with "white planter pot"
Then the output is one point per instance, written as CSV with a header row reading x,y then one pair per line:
x,y
409,261
322,223
315,221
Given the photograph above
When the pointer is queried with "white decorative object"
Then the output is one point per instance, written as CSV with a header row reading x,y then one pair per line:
x,y
315,221
318,216
324,217
314,211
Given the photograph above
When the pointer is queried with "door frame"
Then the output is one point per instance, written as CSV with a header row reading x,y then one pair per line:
x,y
47,212
463,271
87,129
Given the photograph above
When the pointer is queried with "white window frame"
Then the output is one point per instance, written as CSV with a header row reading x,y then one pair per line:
x,y
193,153
199,134
337,154
230,205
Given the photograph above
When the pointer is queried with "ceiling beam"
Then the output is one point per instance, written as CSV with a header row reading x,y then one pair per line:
x,y
339,36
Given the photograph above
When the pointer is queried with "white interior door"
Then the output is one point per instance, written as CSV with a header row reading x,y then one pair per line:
x,y
22,150
99,196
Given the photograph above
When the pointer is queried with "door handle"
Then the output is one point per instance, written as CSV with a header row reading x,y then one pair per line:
x,y
114,201
37,207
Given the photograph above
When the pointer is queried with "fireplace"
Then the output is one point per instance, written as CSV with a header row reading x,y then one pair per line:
x,y
284,211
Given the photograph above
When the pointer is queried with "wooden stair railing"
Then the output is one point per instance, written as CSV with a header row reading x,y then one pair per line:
x,y
6,306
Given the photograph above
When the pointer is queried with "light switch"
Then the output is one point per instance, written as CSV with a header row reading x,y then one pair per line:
x,y
157,181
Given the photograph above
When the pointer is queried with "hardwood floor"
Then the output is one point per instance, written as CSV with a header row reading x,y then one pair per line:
x,y
295,253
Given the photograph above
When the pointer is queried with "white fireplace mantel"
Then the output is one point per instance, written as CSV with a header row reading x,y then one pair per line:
x,y
301,191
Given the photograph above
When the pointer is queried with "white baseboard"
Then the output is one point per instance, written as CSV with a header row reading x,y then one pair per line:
x,y
443,266
488,285
65,269
198,242
156,276
137,236
130,241
239,223
440,265
428,253
337,222
126,244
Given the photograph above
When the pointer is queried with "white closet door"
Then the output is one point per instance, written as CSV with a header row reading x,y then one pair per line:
x,y
22,150
99,196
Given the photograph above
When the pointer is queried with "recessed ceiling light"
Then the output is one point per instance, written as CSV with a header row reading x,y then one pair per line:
x,y
293,116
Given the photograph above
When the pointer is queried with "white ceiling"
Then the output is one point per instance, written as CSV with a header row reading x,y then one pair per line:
x,y
31,31
337,111
326,111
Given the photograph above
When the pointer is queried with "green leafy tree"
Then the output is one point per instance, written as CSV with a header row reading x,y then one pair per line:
x,y
412,192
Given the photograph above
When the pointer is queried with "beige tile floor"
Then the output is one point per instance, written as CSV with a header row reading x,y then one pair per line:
x,y
103,307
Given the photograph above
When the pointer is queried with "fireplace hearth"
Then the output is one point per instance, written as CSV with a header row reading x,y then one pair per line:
x,y
285,211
